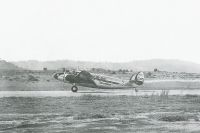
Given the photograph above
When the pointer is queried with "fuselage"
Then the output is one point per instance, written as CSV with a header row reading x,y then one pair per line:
x,y
92,80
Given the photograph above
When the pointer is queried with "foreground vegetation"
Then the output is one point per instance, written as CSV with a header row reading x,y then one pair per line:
x,y
89,113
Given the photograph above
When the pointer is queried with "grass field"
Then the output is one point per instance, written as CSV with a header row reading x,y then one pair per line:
x,y
85,114
92,113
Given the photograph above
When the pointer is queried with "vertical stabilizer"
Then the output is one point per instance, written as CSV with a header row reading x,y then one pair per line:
x,y
137,79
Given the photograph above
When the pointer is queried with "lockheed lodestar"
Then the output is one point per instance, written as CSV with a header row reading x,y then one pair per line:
x,y
87,79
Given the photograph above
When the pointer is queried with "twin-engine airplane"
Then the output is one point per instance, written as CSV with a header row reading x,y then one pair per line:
x,y
86,79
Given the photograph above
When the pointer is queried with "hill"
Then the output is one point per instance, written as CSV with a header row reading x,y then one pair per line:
x,y
4,65
139,65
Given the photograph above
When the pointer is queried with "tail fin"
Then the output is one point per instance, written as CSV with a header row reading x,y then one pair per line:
x,y
138,79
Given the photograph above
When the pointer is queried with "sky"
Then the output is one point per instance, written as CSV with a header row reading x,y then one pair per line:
x,y
99,30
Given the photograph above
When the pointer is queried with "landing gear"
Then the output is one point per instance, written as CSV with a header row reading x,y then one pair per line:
x,y
74,88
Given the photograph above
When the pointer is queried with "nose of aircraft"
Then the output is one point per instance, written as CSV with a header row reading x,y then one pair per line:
x,y
59,76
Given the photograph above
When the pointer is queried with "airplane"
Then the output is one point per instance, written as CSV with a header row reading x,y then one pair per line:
x,y
92,80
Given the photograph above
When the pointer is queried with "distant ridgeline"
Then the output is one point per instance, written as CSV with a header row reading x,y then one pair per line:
x,y
139,65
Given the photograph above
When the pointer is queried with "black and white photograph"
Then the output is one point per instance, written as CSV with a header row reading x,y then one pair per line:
x,y
99,66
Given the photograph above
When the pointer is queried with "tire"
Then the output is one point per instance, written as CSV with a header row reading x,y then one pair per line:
x,y
74,88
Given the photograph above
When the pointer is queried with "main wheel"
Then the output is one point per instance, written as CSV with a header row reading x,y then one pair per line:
x,y
74,88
